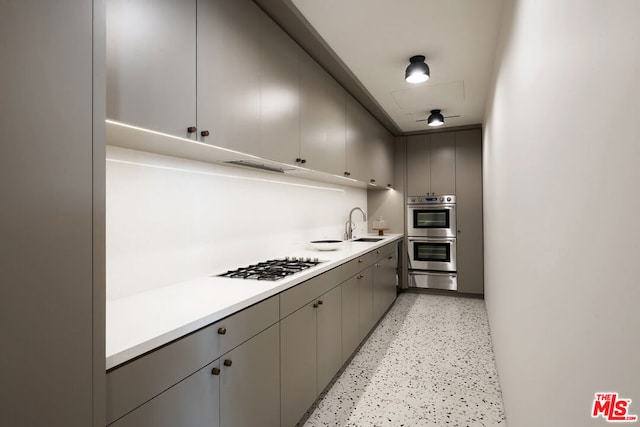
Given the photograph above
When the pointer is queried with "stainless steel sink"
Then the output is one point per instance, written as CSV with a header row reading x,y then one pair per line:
x,y
368,239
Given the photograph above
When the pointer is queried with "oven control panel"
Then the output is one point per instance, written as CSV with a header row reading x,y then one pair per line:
x,y
432,199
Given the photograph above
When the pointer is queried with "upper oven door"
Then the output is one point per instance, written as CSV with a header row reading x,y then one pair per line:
x,y
431,220
432,253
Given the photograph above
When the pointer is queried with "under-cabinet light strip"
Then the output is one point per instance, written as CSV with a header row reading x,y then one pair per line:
x,y
246,178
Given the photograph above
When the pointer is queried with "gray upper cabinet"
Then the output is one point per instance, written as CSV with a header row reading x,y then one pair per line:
x,y
443,163
279,95
382,158
151,64
431,164
418,165
314,112
336,128
469,211
359,133
229,35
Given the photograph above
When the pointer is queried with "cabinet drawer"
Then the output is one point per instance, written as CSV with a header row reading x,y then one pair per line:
x,y
132,384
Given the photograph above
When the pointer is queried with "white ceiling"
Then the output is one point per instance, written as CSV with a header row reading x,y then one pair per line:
x,y
376,38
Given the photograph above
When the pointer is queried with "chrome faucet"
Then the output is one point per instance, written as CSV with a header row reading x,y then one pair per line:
x,y
349,225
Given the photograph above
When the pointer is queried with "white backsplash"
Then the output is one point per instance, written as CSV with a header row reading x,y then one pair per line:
x,y
169,220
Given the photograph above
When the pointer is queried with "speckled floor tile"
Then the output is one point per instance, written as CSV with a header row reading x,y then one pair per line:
x,y
428,363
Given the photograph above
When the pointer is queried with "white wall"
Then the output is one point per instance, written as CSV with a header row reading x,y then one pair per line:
x,y
170,220
562,208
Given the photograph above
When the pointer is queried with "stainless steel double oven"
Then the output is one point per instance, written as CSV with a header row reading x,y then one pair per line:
x,y
431,241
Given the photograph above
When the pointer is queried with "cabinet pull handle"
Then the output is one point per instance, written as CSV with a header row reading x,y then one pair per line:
x,y
227,362
359,261
377,265
320,302
372,180
377,252
347,173
298,160
360,276
390,258
222,330
315,305
303,161
204,133
215,371
192,129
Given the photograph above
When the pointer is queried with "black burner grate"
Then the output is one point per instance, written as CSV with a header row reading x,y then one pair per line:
x,y
272,270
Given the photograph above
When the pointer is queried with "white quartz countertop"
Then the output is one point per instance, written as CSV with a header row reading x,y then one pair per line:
x,y
142,322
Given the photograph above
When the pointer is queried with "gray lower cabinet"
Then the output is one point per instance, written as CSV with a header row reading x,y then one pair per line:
x,y
193,402
365,302
298,359
350,317
329,339
311,353
384,283
250,382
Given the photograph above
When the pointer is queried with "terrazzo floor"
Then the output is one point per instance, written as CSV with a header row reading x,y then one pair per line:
x,y
428,363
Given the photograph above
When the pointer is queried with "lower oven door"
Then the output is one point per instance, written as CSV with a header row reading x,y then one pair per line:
x,y
427,253
433,280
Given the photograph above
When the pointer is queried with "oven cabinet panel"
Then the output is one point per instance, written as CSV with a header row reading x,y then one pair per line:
x,y
193,402
431,166
142,54
384,283
250,382
469,211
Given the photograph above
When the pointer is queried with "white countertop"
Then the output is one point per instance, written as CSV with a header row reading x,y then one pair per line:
x,y
139,323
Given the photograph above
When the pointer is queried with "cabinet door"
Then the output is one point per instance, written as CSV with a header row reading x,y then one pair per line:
x,y
151,64
443,163
418,165
298,363
329,336
279,95
193,402
469,211
250,386
350,317
384,285
365,302
358,163
382,158
336,128
313,114
229,73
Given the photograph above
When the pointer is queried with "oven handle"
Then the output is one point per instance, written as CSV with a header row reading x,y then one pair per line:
x,y
432,239
431,273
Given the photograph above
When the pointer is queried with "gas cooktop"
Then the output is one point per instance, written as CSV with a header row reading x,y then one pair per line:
x,y
274,269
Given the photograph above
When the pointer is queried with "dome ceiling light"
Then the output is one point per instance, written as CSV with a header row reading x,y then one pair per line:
x,y
435,118
417,71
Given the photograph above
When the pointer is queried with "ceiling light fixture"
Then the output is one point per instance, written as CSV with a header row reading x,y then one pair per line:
x,y
417,71
435,119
